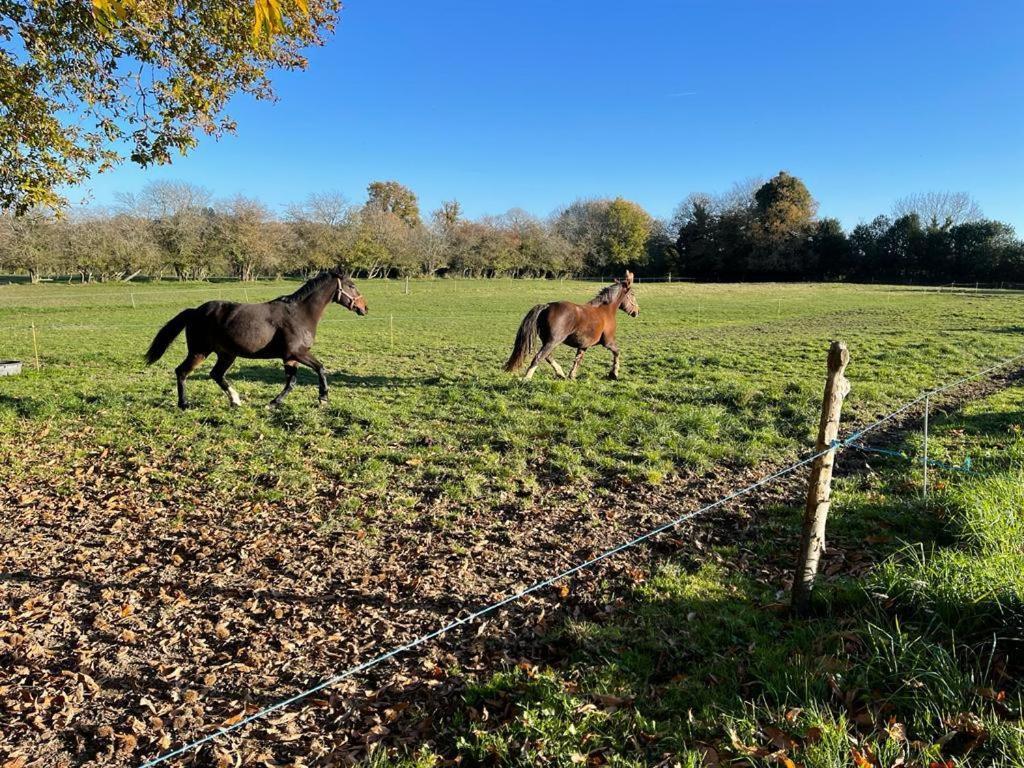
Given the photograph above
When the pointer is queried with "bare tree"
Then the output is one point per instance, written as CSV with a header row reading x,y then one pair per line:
x,y
582,225
382,243
939,209
429,246
27,242
738,202
740,196
246,237
324,231
181,221
164,198
695,207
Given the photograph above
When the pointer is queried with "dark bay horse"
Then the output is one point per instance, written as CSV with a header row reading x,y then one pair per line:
x,y
284,328
578,325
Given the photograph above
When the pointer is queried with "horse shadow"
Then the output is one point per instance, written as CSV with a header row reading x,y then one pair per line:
x,y
1009,329
274,375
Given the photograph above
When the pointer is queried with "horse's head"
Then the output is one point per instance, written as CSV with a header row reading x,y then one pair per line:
x,y
349,296
627,300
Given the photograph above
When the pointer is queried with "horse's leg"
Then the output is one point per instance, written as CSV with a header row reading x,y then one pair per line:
x,y
612,347
540,357
225,361
558,369
192,361
576,362
291,370
321,374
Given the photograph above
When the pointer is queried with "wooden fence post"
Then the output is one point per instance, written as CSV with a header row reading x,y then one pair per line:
x,y
819,489
35,345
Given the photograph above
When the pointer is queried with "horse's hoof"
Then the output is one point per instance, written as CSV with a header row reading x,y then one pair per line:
x,y
321,402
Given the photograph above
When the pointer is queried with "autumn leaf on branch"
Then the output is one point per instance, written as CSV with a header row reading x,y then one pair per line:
x,y
87,85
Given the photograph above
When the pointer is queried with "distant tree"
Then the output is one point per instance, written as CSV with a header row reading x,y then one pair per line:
x,y
832,255
865,250
79,244
28,243
785,208
382,243
429,245
556,257
696,205
902,247
740,198
627,228
939,209
434,241
784,212
323,229
246,239
484,248
716,234
605,234
182,224
76,88
448,215
986,250
394,198
581,224
736,241
697,240
662,255
934,256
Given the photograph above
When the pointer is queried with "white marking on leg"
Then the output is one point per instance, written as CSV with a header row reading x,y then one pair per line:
x,y
576,364
557,367
529,372
233,396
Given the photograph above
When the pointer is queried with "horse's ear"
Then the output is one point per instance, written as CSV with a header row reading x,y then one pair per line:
x,y
629,278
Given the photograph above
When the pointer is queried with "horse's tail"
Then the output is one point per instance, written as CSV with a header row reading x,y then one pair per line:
x,y
166,335
524,339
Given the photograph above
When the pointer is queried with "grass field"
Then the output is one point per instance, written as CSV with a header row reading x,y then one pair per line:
x,y
421,412
166,570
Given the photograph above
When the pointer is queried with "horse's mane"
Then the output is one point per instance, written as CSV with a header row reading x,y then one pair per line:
x,y
311,285
606,295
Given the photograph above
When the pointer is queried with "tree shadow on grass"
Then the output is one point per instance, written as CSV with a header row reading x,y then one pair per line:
x,y
23,407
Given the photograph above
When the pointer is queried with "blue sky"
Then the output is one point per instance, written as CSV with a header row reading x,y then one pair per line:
x,y
532,104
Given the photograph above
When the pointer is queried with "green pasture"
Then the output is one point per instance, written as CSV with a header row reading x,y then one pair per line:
x,y
421,412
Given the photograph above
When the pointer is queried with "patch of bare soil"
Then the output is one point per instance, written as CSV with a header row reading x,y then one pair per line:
x,y
136,616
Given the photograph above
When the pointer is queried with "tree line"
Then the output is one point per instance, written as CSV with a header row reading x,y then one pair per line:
x,y
757,231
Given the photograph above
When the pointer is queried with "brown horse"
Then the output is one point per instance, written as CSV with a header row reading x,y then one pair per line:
x,y
284,328
578,325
